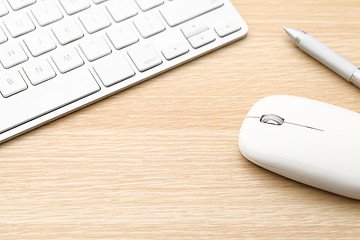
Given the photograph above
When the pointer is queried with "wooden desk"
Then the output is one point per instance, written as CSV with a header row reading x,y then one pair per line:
x,y
161,160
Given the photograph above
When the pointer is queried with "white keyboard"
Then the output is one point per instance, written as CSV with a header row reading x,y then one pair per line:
x,y
60,55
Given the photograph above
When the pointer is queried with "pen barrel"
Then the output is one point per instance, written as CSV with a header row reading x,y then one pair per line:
x,y
328,57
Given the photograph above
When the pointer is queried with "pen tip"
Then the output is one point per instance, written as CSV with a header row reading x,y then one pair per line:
x,y
294,34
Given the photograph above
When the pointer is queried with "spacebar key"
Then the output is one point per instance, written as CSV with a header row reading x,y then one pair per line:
x,y
46,97
181,11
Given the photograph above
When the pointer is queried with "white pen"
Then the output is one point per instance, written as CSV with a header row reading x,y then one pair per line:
x,y
325,55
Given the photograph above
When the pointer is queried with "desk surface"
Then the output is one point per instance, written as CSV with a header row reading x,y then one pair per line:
x,y
161,160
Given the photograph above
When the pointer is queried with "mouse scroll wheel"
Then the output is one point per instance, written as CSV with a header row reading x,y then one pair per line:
x,y
272,119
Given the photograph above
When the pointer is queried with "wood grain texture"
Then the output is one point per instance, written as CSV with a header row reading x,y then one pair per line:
x,y
160,160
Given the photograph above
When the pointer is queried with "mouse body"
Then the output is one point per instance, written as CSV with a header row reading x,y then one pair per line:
x,y
305,140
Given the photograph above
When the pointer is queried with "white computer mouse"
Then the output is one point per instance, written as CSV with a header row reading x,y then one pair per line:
x,y
308,141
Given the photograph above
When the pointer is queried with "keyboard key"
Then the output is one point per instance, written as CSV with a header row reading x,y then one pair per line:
x,y
193,28
10,84
39,43
39,71
19,4
122,36
144,57
99,1
12,54
113,70
67,32
149,25
19,24
95,48
74,6
184,10
3,37
46,12
3,9
46,97
94,21
149,4
175,50
227,28
67,60
202,39
121,10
